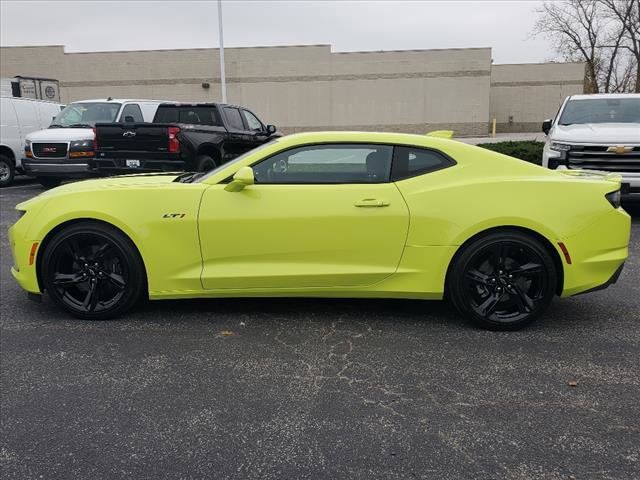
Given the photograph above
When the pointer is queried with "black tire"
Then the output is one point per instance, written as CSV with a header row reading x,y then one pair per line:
x,y
49,182
93,271
502,281
7,171
205,163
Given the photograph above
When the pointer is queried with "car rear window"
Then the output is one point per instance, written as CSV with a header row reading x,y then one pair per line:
x,y
190,115
412,161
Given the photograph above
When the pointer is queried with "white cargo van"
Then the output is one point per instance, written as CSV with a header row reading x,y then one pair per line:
x,y
19,117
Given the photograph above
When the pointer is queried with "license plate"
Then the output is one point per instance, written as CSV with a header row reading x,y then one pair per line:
x,y
133,163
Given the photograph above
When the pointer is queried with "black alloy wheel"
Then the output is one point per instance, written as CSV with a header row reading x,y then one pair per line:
x,y
502,281
92,271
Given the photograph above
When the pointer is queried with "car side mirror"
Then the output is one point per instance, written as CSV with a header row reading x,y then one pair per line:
x,y
271,129
546,126
242,178
128,119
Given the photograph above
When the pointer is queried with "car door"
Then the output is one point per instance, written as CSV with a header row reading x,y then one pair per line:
x,y
317,216
239,139
256,128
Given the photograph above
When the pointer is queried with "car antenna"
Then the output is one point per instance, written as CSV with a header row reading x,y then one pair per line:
x,y
109,99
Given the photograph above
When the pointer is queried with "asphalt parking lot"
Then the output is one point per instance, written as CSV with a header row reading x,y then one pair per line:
x,y
323,389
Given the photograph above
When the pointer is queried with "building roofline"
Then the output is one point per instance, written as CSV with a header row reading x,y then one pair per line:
x,y
326,45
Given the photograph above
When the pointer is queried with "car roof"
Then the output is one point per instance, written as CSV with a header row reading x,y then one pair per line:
x,y
605,95
364,137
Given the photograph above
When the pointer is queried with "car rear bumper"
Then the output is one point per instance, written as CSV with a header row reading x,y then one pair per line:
x,y
597,253
119,165
55,168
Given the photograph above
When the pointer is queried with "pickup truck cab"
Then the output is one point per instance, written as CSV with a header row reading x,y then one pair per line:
x,y
63,150
597,132
183,136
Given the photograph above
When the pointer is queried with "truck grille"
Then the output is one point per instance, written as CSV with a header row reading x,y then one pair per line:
x,y
596,157
49,150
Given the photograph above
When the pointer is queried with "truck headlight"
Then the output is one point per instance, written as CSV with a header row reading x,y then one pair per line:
x,y
81,144
560,147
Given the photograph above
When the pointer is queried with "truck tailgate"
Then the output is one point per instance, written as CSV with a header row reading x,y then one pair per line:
x,y
132,137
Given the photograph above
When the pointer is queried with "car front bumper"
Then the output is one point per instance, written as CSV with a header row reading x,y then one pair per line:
x,y
55,168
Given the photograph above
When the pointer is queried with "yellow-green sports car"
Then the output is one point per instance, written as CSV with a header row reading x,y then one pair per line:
x,y
333,214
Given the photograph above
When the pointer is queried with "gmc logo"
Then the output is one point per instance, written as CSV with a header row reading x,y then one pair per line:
x,y
49,149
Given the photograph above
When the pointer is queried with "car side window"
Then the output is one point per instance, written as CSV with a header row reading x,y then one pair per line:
x,y
131,112
413,161
327,163
233,115
252,121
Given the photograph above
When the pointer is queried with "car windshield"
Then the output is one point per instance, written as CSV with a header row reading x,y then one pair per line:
x,y
601,110
235,160
86,114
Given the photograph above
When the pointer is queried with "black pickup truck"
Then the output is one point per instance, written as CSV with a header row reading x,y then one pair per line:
x,y
192,137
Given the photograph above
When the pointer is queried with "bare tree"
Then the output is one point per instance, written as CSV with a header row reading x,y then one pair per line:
x,y
627,14
601,33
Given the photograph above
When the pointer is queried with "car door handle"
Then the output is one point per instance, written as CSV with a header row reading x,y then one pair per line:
x,y
372,202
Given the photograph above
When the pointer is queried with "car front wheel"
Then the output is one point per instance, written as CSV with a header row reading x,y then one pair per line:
x,y
93,271
502,281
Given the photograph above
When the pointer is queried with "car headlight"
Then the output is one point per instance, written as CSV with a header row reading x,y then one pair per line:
x,y
27,143
560,147
81,144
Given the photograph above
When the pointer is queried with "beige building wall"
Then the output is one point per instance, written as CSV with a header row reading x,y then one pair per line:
x,y
297,88
302,88
523,95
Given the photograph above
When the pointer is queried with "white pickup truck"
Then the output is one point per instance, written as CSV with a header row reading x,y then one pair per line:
x,y
597,132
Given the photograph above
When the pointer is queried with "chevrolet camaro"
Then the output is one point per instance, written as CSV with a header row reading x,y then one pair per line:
x,y
334,214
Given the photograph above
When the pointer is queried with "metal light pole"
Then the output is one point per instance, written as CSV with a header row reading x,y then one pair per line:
x,y
223,81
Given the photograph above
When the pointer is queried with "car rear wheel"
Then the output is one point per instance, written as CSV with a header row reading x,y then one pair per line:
x,y
7,171
92,271
502,281
49,182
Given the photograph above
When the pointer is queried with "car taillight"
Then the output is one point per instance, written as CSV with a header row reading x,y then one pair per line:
x,y
174,144
95,139
614,198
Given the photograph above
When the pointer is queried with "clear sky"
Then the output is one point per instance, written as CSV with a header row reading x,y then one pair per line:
x,y
346,25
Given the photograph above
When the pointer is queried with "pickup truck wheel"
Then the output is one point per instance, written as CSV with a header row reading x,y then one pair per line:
x,y
49,182
204,163
7,171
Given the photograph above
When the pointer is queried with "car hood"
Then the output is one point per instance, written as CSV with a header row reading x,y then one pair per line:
x,y
60,135
606,133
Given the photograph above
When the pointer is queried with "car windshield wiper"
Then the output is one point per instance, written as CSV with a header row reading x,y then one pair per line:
x,y
80,125
56,125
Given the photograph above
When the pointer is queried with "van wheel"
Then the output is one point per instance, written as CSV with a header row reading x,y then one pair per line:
x,y
49,182
7,171
502,281
204,163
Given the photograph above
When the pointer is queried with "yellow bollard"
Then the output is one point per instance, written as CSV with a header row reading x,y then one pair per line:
x,y
493,128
